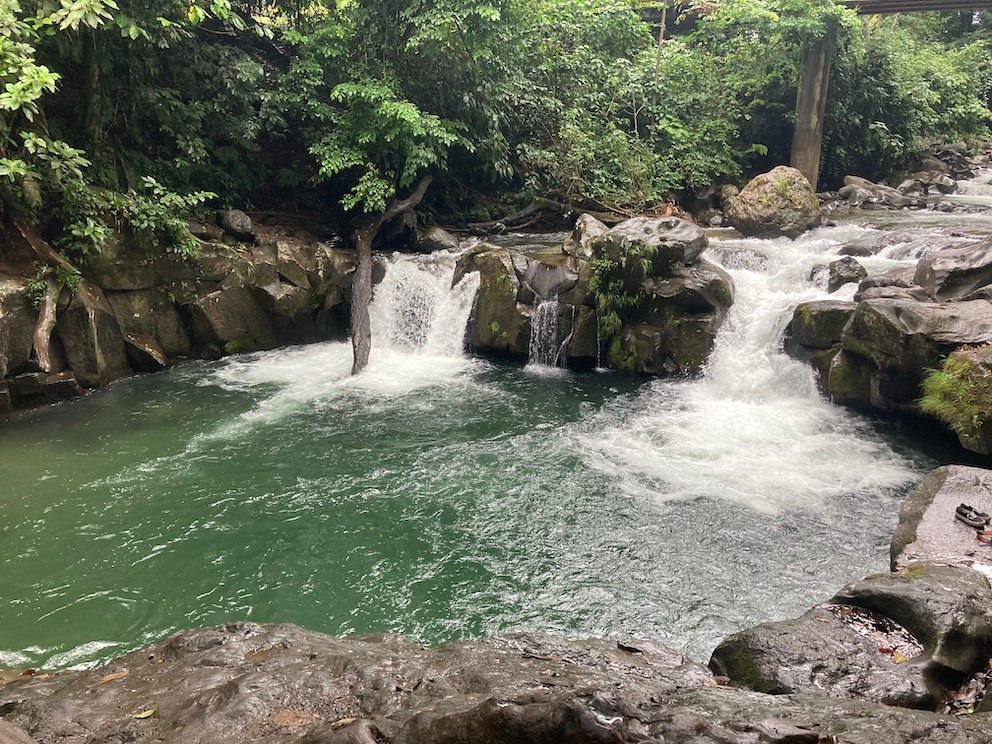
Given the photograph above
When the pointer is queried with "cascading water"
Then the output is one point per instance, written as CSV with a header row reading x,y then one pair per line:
x,y
545,341
415,308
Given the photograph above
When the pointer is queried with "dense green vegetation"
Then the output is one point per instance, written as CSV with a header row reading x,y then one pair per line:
x,y
338,106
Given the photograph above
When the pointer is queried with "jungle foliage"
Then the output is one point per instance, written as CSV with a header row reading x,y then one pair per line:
x,y
120,113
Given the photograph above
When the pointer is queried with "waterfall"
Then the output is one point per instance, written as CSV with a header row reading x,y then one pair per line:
x,y
545,342
415,308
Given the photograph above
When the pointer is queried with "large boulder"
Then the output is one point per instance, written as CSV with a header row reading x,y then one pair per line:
x,y
129,262
500,324
817,325
780,202
955,273
910,336
436,239
236,224
92,339
928,532
17,322
587,229
825,652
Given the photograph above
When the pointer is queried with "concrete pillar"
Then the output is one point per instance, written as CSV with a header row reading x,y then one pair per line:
x,y
811,102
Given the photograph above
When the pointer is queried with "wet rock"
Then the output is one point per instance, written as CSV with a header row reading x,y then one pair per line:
x,y
948,608
125,263
944,184
880,194
817,325
849,379
13,735
665,241
954,273
700,288
152,313
36,388
928,532
819,653
237,224
587,229
780,202
17,322
499,325
679,346
436,239
837,273
91,337
232,320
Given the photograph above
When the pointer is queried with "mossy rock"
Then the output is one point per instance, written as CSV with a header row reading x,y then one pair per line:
x,y
959,394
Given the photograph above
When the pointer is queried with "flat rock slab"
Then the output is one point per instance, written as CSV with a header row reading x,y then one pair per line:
x,y
250,683
928,531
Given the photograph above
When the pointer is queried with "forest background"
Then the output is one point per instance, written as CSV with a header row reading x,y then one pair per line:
x,y
129,115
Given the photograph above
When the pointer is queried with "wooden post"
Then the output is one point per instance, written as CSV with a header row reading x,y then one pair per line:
x,y
811,102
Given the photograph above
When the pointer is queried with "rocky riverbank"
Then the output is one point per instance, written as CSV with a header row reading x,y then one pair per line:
x,y
896,657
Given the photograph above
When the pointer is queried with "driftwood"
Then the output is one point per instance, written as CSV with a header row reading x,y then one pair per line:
x,y
361,288
540,206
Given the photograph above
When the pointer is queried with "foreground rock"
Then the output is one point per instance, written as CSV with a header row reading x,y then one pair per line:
x,y
675,299
780,202
251,683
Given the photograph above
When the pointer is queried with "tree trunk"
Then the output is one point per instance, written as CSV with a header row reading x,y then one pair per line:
x,y
361,297
361,286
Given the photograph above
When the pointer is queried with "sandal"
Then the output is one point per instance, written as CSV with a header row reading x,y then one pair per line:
x,y
985,537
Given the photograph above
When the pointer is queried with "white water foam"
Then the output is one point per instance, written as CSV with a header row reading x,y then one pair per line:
x,y
753,429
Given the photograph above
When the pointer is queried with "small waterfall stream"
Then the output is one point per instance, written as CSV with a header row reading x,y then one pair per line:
x,y
545,336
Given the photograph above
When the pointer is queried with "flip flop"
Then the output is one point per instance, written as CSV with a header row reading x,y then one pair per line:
x,y
966,509
971,518
985,537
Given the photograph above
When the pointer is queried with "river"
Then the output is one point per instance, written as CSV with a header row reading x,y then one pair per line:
x,y
444,496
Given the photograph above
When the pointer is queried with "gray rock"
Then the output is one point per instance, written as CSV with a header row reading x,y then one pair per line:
x,y
947,608
144,353
152,313
944,183
17,322
36,388
928,533
251,683
665,241
92,338
818,325
780,202
436,239
953,273
127,263
579,243
838,273
820,653
231,319
237,224
910,337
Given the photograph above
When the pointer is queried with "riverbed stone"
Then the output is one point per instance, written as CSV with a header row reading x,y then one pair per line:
x,y
237,224
928,532
17,322
774,204
143,352
955,273
500,324
251,683
587,229
436,239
